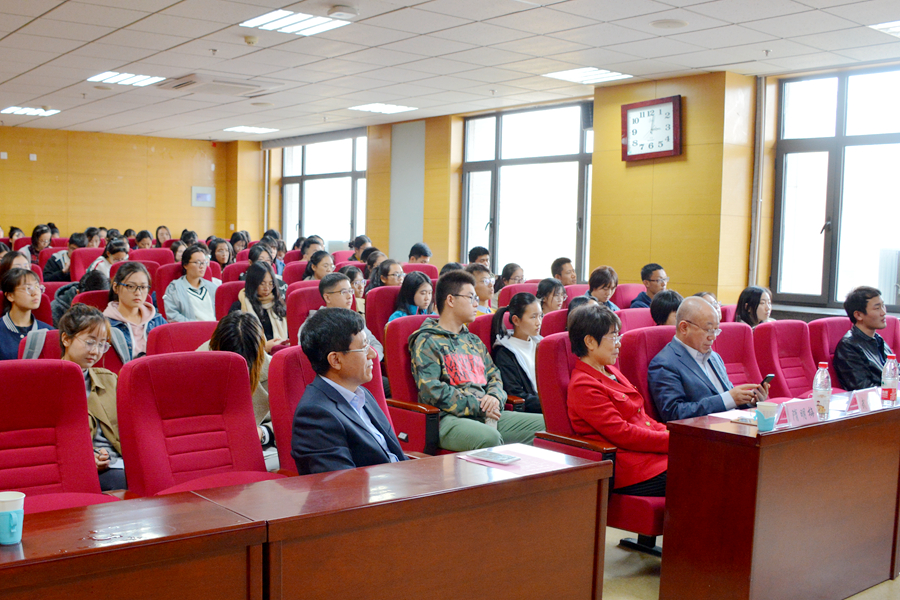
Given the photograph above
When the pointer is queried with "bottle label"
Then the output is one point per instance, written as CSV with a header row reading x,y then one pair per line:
x,y
888,394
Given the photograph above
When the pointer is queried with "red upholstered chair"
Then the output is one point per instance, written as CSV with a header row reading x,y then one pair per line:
x,y
252,243
52,287
51,350
643,515
47,453
299,303
21,243
5,240
215,271
416,425
173,445
161,256
151,265
45,255
44,312
639,347
891,333
508,291
635,318
625,293
554,322
302,285
533,280
427,268
293,272
359,265
824,335
735,346
226,295
481,327
37,270
379,307
728,312
289,374
242,256
782,348
98,299
577,289
81,260
168,243
233,271
293,256
60,242
179,337
341,256
165,275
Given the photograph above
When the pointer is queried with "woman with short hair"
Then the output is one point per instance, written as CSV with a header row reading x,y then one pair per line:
x,y
143,239
21,296
602,285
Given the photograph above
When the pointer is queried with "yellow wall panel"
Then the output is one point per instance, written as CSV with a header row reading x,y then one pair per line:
x,y
702,106
687,184
737,180
687,246
622,242
378,185
618,189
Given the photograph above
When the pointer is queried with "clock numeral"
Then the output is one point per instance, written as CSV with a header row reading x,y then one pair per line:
x,y
634,143
635,121
668,115
667,139
634,132
668,127
650,145
642,146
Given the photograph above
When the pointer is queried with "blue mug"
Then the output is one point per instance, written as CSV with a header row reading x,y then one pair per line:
x,y
763,424
11,527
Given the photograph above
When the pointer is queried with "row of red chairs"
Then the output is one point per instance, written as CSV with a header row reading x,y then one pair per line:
x,y
60,242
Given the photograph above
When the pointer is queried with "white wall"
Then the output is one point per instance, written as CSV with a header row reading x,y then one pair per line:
x,y
407,187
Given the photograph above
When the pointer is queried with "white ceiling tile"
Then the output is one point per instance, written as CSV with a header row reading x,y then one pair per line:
x,y
28,8
356,82
595,57
611,10
382,57
694,22
407,90
119,54
244,66
603,34
171,64
539,66
61,29
279,59
319,46
654,48
427,45
413,20
12,22
480,33
372,97
143,39
826,3
879,52
739,54
448,82
336,67
722,37
644,67
538,83
810,61
170,25
363,33
395,75
92,14
21,41
149,6
541,45
204,47
29,57
750,68
220,11
739,11
541,20
492,75
846,38
476,10
800,24
438,66
487,57
869,13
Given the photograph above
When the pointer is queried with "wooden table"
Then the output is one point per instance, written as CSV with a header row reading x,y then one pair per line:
x,y
435,528
179,547
808,512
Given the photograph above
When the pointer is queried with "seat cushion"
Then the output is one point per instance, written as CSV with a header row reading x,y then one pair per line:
x,y
221,480
44,502
641,514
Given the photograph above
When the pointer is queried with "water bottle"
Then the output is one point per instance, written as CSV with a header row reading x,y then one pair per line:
x,y
889,381
822,390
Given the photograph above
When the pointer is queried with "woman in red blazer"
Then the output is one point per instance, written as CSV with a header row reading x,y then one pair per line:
x,y
604,406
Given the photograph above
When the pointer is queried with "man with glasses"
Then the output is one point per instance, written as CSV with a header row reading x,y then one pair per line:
x,y
687,379
454,372
484,287
338,423
337,292
654,278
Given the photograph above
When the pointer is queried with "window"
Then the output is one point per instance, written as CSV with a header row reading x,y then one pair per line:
x,y
526,187
324,191
836,201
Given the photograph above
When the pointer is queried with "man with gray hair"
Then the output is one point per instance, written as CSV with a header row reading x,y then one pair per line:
x,y
687,379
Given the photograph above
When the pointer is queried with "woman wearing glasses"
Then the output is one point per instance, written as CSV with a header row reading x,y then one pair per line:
x,y
415,297
83,339
357,284
604,406
389,272
511,273
21,295
262,298
128,309
320,264
191,297
552,294
514,354
115,251
484,287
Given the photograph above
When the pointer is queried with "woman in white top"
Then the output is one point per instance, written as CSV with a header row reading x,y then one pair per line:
x,y
191,297
115,251
514,354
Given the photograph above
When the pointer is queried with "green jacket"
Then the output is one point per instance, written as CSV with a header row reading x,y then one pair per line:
x,y
453,370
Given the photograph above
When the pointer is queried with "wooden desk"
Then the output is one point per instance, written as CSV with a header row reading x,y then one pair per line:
x,y
178,547
438,528
807,512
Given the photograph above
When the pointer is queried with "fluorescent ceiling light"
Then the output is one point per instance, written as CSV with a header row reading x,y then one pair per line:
x,y
286,21
587,75
243,129
126,79
387,109
890,28
28,112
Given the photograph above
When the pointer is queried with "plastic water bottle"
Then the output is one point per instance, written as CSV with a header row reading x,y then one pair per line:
x,y
889,381
822,390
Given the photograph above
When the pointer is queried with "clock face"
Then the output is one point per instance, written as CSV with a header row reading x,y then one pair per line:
x,y
651,129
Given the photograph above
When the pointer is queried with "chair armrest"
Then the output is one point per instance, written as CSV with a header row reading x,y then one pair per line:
x,y
425,409
514,403
287,473
280,347
417,455
576,442
121,494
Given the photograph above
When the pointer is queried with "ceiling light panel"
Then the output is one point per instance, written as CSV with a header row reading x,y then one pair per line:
x,y
243,129
285,21
28,112
387,109
126,79
587,75
891,28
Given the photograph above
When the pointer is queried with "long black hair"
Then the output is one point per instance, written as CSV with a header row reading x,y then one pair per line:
x,y
314,260
409,287
516,308
548,288
256,273
36,234
505,276
127,269
378,272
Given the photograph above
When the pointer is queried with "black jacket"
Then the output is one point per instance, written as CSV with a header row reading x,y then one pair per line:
x,y
53,270
515,380
859,359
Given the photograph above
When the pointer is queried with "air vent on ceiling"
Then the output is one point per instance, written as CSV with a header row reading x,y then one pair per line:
x,y
196,84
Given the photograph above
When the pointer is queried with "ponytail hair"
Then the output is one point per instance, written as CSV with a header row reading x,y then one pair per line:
x,y
516,308
314,260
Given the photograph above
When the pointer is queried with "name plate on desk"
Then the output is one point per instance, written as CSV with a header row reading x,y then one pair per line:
x,y
865,400
797,412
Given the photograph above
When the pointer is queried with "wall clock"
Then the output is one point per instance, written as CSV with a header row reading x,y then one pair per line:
x,y
651,129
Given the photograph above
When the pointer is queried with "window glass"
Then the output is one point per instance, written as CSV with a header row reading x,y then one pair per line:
x,y
326,210
360,206
293,161
810,108
291,209
329,157
869,247
548,132
361,153
872,103
803,214
586,263
479,215
480,138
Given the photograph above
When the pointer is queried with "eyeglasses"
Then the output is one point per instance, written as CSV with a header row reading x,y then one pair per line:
x,y
615,337
516,279
31,289
199,263
131,288
359,283
713,333
92,345
472,299
488,281
560,297
399,276
364,349
659,280
345,293
267,285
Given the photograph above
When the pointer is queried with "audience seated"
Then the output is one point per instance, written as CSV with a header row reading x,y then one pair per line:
x,y
21,295
4,250
664,306
262,253
280,253
62,299
860,355
455,373
359,244
511,273
604,406
388,272
143,239
57,268
221,251
338,424
687,378
262,298
40,239
484,284
602,285
654,278
420,253
754,306
563,270
115,251
480,255
128,310
178,247
14,234
373,259
13,260
358,283
711,298
514,353
320,264
191,297
239,242
552,294
415,297
310,246
334,291
162,236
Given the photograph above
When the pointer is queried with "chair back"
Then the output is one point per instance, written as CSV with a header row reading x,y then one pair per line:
x,y
242,256
625,293
302,285
98,299
165,275
397,357
824,335
53,286
293,272
728,312
359,265
45,255
299,304
21,243
233,271
508,291
151,265
226,295
60,242
51,350
891,333
639,347
553,366
5,240
427,268
576,289
554,322
292,256
379,307
168,243
161,256
167,440
214,271
782,348
44,312
481,327
735,346
341,256
179,337
635,318
81,259
47,450
37,270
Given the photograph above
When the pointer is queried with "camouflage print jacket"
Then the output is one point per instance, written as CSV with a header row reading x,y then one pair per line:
x,y
453,370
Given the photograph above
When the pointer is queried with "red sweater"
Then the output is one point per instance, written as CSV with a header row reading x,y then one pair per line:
x,y
613,411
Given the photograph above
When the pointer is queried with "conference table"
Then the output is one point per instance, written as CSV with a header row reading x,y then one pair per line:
x,y
800,512
439,527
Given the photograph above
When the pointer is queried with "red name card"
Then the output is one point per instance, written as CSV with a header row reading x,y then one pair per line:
x,y
797,412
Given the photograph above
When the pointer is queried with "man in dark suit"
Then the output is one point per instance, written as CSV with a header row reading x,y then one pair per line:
x,y
687,379
338,423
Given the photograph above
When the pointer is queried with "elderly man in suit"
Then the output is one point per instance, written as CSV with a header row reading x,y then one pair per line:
x,y
338,423
687,379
